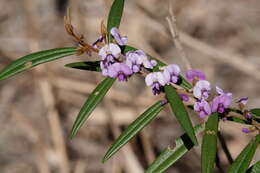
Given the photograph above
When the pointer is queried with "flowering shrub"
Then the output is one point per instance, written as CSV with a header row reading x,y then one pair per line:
x,y
119,61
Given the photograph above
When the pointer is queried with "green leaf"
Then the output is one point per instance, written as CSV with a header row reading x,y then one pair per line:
x,y
169,156
94,98
135,127
255,111
254,168
87,65
180,112
34,59
182,82
243,160
209,144
115,15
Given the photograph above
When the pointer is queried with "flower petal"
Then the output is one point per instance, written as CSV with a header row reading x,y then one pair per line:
x,y
149,79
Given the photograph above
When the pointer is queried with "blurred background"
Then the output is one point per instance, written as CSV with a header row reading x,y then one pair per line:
x,y
38,107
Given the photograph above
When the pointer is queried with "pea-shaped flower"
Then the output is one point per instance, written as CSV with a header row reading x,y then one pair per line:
x,y
171,73
121,40
243,100
157,81
120,71
194,75
201,89
109,53
203,108
136,59
220,103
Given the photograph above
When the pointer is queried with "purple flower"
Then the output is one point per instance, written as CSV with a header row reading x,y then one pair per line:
x,y
108,54
246,130
248,115
104,67
243,100
121,40
163,102
171,73
201,89
156,80
136,59
221,102
194,75
97,42
119,70
184,97
221,92
203,108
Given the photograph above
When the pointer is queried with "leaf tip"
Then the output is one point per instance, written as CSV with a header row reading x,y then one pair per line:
x,y
72,133
106,157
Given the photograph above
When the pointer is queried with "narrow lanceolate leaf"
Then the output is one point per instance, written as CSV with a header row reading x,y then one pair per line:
x,y
95,97
169,156
255,111
115,15
182,82
254,168
243,160
87,65
180,112
135,127
209,144
256,114
34,59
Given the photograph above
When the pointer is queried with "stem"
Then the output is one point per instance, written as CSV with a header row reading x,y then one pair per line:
x,y
225,148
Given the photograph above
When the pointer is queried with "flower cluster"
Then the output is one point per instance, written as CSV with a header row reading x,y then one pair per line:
x,y
201,92
115,64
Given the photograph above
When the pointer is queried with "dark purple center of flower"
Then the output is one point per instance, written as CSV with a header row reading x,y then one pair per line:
x,y
156,87
221,108
202,110
205,93
110,57
121,76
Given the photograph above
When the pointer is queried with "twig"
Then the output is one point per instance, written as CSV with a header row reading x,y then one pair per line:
x,y
171,20
237,61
